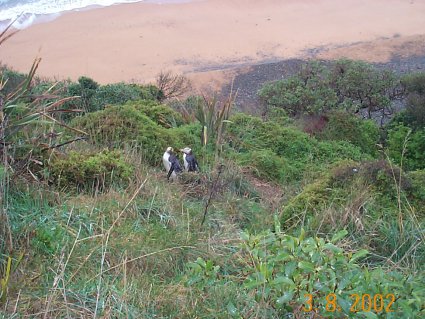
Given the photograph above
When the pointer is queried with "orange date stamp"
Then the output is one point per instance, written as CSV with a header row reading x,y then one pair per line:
x,y
377,303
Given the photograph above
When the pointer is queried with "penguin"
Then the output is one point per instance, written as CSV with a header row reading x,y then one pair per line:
x,y
189,160
166,157
171,163
175,167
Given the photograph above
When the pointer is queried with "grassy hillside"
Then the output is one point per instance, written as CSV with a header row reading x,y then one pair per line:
x,y
308,212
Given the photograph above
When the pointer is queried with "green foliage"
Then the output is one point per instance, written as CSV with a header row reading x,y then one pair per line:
x,y
117,125
281,271
417,179
414,82
161,114
334,187
343,126
120,93
350,85
202,273
11,80
266,164
89,171
213,117
286,151
189,134
403,245
94,97
308,92
47,238
285,268
406,147
414,115
25,118
86,89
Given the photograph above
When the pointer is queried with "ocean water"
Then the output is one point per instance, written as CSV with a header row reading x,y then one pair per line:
x,y
27,11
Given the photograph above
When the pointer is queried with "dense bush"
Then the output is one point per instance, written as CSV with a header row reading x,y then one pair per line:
x,y
187,135
283,275
119,125
293,153
86,89
343,126
414,115
407,147
417,178
346,187
266,164
161,114
120,93
90,171
345,84
94,97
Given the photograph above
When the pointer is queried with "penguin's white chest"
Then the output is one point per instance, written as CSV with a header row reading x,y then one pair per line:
x,y
166,162
185,163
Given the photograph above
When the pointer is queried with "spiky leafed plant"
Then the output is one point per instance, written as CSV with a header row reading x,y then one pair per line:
x,y
20,113
213,117
20,108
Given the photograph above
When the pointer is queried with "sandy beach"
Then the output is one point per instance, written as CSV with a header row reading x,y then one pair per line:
x,y
134,42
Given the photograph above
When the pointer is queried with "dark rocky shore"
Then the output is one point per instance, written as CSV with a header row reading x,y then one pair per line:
x,y
248,83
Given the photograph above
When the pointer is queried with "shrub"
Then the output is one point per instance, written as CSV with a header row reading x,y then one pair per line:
x,y
120,93
159,113
407,147
347,186
86,89
266,164
417,179
297,276
306,93
89,171
414,82
187,135
343,126
294,151
351,85
118,125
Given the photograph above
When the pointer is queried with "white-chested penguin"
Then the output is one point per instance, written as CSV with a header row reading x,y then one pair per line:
x,y
189,160
171,163
166,157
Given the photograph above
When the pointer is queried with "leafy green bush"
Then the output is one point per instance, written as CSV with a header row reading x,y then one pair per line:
x,y
343,126
266,164
86,89
287,275
120,93
293,152
407,147
345,84
414,82
161,114
414,114
345,189
90,171
305,93
417,179
118,125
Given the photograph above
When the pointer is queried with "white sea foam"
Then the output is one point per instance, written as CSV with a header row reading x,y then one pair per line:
x,y
26,11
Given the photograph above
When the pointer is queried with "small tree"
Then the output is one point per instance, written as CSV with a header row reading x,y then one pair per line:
x,y
415,105
352,85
